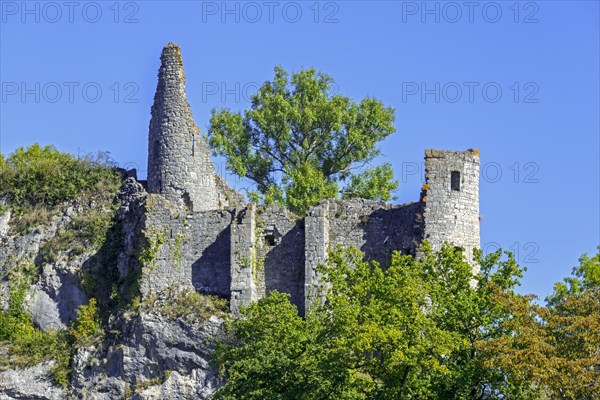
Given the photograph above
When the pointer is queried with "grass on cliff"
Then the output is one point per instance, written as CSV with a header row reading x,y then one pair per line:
x,y
186,304
35,180
86,231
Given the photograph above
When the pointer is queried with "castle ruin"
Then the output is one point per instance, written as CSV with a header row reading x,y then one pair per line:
x,y
203,234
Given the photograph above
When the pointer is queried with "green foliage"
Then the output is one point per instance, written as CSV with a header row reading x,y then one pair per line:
x,y
86,329
410,331
307,185
43,175
37,179
28,346
102,279
261,351
20,278
177,246
153,240
258,268
555,348
584,276
374,183
36,182
297,141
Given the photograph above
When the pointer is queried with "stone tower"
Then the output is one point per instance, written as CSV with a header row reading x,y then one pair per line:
x,y
451,196
179,162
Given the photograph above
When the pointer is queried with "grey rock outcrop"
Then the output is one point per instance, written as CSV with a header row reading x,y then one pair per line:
x,y
52,301
177,386
33,383
156,357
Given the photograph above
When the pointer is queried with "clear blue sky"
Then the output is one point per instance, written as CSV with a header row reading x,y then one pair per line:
x,y
517,80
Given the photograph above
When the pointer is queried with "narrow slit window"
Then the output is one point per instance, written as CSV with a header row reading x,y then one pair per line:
x,y
455,180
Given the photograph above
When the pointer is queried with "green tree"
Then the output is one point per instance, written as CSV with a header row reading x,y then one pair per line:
x,y
297,141
409,331
2,162
555,348
585,276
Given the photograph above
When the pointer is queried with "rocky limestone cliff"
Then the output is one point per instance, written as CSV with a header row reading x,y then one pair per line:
x,y
146,350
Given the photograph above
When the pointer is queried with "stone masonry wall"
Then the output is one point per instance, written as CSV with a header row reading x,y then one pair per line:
x,y
280,253
244,254
267,254
187,249
452,212
243,259
377,228
316,246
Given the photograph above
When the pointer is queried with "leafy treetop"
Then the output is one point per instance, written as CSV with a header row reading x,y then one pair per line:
x,y
297,141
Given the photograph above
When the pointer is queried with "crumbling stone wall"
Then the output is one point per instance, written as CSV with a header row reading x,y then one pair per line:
x,y
451,197
280,253
316,242
243,259
375,227
267,254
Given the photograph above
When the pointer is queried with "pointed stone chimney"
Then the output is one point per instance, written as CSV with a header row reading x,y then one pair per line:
x,y
179,162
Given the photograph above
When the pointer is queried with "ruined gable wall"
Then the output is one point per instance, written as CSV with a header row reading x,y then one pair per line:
x,y
267,254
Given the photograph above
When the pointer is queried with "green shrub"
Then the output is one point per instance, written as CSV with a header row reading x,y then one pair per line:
x,y
86,329
102,280
29,346
34,180
43,175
